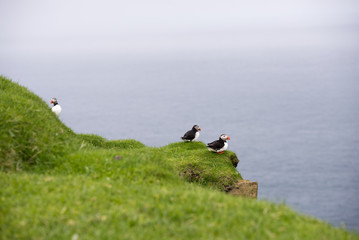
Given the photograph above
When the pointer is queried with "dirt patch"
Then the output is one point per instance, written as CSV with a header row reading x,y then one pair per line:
x,y
117,157
227,183
234,159
192,174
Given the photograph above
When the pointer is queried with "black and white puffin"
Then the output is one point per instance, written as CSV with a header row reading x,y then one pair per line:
x,y
56,108
192,135
219,145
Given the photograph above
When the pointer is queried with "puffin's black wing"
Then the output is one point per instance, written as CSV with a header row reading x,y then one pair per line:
x,y
216,144
189,135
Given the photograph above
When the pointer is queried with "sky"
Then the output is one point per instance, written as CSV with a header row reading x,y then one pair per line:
x,y
67,26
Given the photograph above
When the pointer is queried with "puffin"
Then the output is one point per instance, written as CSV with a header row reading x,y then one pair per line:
x,y
192,134
56,108
219,145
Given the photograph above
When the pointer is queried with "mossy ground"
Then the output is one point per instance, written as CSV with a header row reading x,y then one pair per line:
x,y
55,184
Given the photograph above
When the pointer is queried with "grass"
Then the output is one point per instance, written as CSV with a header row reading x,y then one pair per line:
x,y
29,131
55,184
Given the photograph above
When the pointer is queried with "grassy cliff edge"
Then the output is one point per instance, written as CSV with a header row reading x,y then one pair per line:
x,y
56,184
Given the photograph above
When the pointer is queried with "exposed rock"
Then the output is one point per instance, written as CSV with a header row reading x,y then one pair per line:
x,y
244,188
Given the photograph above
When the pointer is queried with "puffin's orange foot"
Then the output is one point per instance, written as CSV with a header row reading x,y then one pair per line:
x,y
220,152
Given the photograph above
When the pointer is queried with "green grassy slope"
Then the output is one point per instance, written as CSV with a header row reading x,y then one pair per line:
x,y
55,184
29,132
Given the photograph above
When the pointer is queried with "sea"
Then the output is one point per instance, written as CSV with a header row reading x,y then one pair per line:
x,y
290,106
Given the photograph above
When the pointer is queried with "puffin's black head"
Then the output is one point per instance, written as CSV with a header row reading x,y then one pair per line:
x,y
54,101
224,137
196,128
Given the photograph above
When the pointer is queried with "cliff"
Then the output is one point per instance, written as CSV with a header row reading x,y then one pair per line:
x,y
56,184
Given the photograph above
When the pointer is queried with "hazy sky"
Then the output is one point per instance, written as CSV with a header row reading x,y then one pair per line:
x,y
109,25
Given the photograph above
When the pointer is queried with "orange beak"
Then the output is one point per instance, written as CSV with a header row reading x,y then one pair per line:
x,y
199,129
228,138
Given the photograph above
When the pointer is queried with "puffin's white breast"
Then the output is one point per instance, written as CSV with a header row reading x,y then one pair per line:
x,y
196,136
224,148
56,109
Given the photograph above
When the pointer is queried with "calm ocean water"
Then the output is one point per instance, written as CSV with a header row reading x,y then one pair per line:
x,y
292,112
